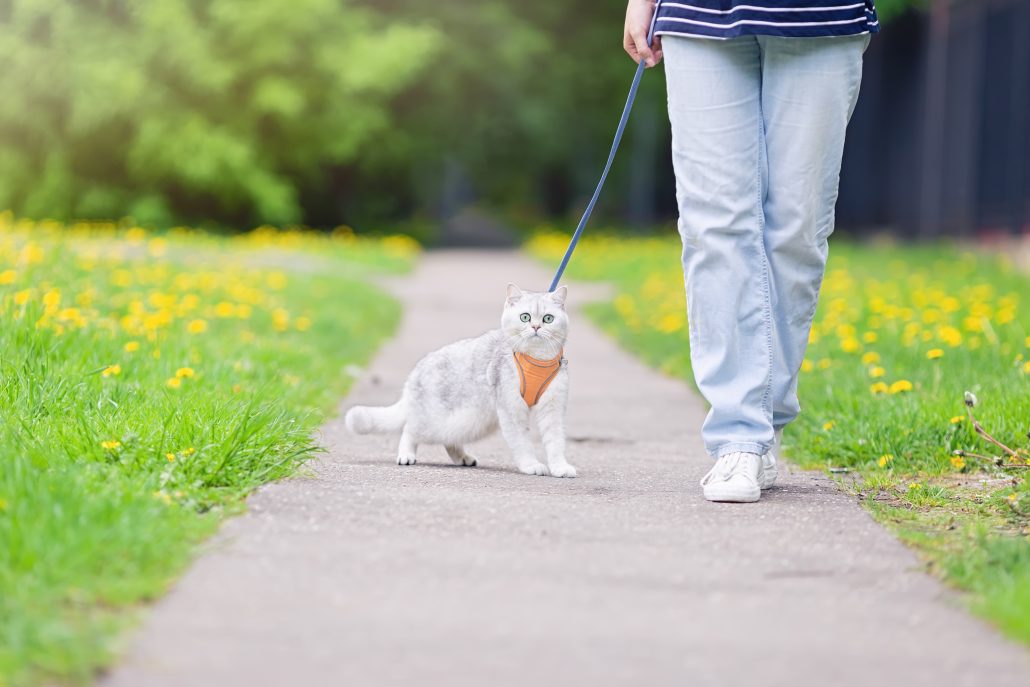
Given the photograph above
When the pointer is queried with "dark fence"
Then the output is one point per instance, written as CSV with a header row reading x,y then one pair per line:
x,y
939,143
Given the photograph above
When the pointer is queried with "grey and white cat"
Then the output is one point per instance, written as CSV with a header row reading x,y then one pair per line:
x,y
468,389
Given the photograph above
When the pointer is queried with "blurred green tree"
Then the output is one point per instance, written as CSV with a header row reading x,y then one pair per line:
x,y
192,110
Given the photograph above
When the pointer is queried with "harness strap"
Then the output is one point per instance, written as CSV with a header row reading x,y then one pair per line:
x,y
535,375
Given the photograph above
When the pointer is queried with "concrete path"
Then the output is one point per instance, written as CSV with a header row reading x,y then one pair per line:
x,y
368,573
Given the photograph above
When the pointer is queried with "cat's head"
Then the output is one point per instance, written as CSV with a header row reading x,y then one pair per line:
x,y
535,323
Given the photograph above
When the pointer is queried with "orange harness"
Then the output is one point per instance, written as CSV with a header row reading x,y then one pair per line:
x,y
535,375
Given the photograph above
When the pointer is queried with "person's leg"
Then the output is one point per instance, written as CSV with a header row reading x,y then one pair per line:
x,y
809,90
714,93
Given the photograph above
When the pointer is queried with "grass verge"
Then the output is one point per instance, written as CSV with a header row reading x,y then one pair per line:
x,y
901,333
147,384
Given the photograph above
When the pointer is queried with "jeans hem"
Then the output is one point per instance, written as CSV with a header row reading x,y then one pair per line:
x,y
747,446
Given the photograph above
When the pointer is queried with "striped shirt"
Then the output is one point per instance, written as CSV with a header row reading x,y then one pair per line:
x,y
789,18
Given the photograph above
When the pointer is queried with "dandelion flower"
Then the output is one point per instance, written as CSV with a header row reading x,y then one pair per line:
x,y
956,419
828,425
878,387
900,385
131,346
196,326
8,276
870,358
807,365
110,445
174,382
869,337
934,353
170,457
877,371
885,459
112,370
958,462
184,372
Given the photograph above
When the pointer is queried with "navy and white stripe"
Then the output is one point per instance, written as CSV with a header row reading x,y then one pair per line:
x,y
788,18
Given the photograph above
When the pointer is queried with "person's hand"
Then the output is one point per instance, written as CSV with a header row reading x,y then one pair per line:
x,y
634,38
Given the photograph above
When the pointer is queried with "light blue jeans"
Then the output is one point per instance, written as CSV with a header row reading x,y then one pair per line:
x,y
757,137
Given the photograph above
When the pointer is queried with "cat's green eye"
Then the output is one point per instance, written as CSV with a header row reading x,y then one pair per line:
x,y
525,317
548,319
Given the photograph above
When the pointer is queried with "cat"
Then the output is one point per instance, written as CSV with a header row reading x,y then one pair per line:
x,y
467,390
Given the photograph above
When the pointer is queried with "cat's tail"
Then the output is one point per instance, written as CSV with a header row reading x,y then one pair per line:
x,y
376,419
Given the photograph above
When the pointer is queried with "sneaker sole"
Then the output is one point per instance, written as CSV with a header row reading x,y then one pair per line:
x,y
724,495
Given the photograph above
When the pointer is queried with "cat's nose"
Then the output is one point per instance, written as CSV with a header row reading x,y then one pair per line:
x,y
536,327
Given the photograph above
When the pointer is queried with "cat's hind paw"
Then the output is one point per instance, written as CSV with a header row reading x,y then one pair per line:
x,y
406,460
535,468
563,470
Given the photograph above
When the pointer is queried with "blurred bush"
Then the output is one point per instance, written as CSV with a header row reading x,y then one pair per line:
x,y
179,110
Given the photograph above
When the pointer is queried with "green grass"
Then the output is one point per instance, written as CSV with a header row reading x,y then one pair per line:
x,y
900,334
147,384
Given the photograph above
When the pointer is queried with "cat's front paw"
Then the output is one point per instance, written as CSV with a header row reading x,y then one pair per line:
x,y
563,470
534,468
406,460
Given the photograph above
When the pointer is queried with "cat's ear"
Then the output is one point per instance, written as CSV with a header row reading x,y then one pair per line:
x,y
559,295
514,294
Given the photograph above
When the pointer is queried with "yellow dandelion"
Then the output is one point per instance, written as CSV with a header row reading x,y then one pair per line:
x,y
225,309
885,459
110,445
1012,497
934,353
870,358
174,382
112,370
196,326
131,346
184,372
828,425
850,345
1026,367
869,337
958,462
170,457
900,385
22,297
955,419
878,387
824,363
8,277
189,451
807,365
877,371
304,323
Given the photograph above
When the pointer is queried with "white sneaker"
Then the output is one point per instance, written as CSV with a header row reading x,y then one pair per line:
x,y
734,478
767,478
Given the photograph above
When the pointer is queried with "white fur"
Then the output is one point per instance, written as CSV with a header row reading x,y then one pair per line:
x,y
469,389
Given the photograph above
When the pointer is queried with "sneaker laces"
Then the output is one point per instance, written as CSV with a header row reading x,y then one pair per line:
x,y
725,466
